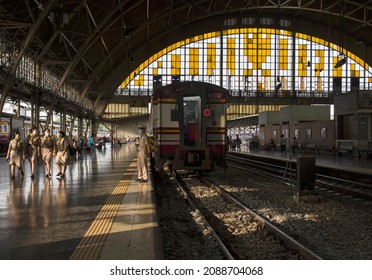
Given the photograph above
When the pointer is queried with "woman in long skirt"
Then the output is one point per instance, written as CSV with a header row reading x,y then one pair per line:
x,y
63,154
47,149
16,154
33,149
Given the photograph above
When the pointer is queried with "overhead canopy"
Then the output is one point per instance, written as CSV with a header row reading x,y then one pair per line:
x,y
243,122
130,124
92,46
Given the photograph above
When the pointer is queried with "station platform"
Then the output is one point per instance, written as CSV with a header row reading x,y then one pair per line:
x,y
344,162
98,211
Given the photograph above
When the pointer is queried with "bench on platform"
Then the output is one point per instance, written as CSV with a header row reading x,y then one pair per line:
x,y
367,149
308,148
345,149
326,149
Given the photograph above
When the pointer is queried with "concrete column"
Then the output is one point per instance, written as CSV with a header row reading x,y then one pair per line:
x,y
112,133
95,125
87,128
18,109
63,120
37,110
33,112
80,125
51,120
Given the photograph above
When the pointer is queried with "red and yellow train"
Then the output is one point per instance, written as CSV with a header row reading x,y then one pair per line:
x,y
188,123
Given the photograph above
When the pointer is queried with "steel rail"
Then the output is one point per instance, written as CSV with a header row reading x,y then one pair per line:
x,y
289,241
204,220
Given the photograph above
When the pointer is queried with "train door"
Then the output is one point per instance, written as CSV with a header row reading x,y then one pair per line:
x,y
191,124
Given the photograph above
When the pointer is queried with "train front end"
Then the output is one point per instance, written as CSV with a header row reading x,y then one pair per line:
x,y
191,130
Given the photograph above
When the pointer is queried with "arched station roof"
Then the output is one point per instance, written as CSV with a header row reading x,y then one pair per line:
x,y
92,46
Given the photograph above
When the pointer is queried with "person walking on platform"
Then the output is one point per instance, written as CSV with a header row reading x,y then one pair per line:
x,y
91,143
16,154
63,154
143,154
238,142
283,144
295,145
33,149
47,148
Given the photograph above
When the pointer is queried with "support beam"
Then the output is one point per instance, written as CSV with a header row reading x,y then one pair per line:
x,y
71,128
50,111
25,44
89,42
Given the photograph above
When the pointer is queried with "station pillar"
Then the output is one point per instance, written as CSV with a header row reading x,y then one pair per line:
x,y
80,126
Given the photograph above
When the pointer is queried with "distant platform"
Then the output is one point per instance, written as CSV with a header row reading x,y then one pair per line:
x,y
344,162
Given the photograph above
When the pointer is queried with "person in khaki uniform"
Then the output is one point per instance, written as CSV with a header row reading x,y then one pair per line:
x,y
16,154
143,154
33,149
62,153
47,146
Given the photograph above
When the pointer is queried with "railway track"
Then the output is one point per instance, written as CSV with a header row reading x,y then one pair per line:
x,y
241,232
341,190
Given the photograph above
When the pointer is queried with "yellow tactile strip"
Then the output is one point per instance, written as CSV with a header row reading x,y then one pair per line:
x,y
91,245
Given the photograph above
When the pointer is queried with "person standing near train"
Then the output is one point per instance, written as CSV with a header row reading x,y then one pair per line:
x,y
283,145
16,154
143,153
33,149
47,146
63,154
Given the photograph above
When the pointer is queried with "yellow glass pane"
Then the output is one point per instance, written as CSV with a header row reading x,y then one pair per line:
x,y
337,72
231,59
194,61
248,72
302,83
139,81
176,64
353,71
319,84
211,58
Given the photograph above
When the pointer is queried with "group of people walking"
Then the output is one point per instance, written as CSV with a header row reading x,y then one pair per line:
x,y
47,147
33,147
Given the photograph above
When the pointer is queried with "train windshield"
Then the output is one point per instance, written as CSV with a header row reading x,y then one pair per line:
x,y
192,121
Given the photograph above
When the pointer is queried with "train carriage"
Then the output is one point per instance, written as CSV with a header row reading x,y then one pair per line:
x,y
4,134
188,122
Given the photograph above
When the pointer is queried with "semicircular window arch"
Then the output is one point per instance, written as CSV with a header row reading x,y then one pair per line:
x,y
251,61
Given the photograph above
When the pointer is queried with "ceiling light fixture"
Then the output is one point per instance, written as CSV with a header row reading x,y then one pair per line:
x,y
342,56
341,62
